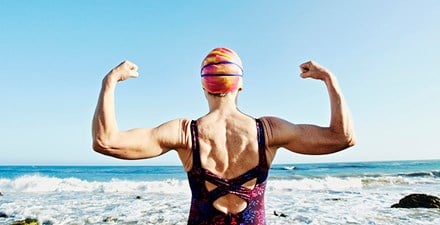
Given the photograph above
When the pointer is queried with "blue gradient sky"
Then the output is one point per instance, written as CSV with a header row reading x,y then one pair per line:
x,y
53,55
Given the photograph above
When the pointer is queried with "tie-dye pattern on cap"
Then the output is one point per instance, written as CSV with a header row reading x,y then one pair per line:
x,y
222,71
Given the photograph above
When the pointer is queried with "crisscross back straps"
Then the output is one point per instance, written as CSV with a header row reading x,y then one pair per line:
x,y
236,189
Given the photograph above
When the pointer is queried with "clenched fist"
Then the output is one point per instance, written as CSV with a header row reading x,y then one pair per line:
x,y
123,71
313,70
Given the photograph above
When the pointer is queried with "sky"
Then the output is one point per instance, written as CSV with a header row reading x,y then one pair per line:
x,y
54,54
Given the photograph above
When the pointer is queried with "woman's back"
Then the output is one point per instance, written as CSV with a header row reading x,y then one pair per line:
x,y
229,169
228,143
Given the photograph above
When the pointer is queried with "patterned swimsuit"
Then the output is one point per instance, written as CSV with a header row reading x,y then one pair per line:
x,y
202,210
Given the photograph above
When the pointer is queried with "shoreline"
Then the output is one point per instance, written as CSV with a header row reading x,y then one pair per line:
x,y
179,165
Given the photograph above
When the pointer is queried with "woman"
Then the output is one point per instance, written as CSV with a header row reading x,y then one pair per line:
x,y
226,153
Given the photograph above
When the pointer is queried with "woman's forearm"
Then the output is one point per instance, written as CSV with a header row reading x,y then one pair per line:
x,y
104,121
340,121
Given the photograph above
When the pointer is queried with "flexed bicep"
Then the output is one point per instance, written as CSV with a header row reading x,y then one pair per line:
x,y
143,143
302,138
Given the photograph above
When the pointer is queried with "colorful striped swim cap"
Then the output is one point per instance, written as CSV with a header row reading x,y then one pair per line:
x,y
222,71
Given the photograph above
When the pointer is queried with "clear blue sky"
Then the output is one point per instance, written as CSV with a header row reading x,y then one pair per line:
x,y
54,54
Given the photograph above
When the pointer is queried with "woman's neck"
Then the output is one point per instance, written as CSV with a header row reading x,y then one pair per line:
x,y
223,104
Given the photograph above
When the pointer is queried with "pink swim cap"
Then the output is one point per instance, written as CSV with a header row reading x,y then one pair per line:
x,y
222,71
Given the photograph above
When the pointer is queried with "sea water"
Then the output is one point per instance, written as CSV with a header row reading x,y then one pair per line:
x,y
326,193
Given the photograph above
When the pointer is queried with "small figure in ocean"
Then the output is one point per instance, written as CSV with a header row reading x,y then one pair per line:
x,y
226,153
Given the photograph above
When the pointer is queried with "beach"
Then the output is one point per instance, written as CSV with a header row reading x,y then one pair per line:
x,y
325,193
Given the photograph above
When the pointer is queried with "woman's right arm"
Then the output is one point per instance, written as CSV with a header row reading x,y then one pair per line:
x,y
312,139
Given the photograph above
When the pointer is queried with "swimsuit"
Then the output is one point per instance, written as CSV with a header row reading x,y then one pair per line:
x,y
202,209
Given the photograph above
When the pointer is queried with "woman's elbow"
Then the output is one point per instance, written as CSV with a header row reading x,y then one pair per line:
x,y
109,149
353,141
101,146
348,140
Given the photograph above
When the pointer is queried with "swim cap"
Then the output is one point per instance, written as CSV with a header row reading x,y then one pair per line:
x,y
222,71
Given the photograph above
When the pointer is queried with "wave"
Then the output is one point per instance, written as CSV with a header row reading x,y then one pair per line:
x,y
288,167
434,174
336,183
39,183
327,183
43,183
346,182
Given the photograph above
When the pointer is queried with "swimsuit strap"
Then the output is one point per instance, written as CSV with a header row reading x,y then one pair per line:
x,y
195,145
261,144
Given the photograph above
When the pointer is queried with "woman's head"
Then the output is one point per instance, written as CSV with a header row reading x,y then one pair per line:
x,y
222,71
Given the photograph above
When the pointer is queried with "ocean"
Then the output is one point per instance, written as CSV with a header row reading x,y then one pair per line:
x,y
324,193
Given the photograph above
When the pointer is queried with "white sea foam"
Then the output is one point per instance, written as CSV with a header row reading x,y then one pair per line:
x,y
327,183
288,167
344,183
37,183
41,184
